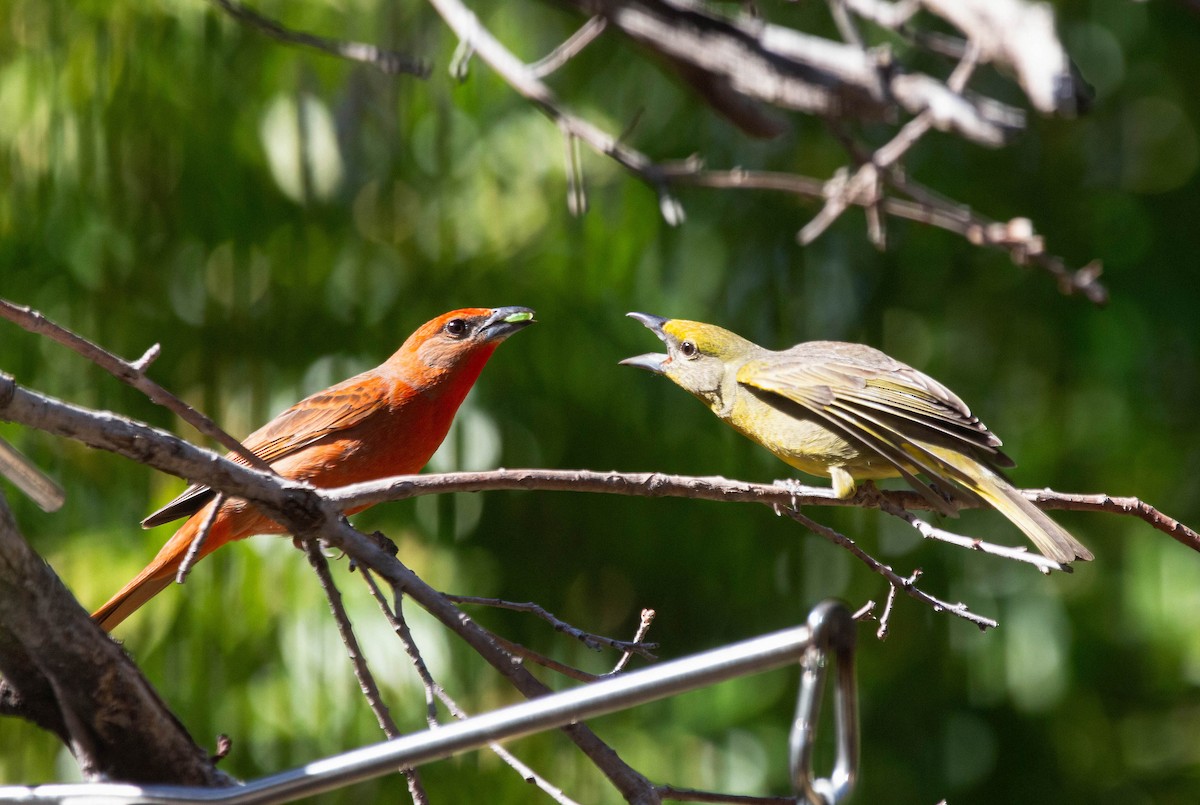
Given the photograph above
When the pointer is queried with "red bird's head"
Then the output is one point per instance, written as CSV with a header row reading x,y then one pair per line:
x,y
460,339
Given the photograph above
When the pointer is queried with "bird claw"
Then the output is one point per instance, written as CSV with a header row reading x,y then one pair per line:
x,y
794,487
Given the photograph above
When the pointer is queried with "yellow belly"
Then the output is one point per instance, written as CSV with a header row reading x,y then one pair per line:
x,y
805,444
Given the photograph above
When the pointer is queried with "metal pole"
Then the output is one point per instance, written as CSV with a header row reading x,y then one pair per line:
x,y
548,712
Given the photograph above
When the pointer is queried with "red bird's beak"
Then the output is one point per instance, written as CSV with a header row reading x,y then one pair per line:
x,y
504,321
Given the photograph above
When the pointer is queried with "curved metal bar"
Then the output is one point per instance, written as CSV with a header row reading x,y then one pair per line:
x,y
833,632
617,693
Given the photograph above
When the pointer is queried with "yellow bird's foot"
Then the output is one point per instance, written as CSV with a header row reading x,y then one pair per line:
x,y
844,485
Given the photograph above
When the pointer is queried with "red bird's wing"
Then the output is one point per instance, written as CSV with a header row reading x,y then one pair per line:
x,y
314,418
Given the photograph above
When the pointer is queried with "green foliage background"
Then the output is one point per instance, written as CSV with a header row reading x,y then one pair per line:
x,y
148,193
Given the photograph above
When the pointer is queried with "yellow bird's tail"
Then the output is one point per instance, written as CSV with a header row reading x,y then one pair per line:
x,y
1054,541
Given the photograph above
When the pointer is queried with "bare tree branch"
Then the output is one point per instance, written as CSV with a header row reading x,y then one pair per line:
x,y
894,579
742,66
294,504
64,674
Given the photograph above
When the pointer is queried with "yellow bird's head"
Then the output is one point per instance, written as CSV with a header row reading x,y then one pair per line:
x,y
701,358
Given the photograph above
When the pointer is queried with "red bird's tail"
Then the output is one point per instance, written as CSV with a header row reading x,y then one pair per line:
x,y
155,577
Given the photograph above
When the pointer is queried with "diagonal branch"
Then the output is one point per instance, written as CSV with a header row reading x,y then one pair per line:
x,y
307,515
387,61
132,373
61,672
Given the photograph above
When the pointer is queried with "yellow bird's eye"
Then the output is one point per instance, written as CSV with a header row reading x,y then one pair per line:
x,y
687,349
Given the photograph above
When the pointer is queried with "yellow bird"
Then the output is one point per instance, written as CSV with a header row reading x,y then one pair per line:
x,y
849,412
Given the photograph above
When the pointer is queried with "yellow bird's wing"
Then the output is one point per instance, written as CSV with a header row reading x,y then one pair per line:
x,y
884,405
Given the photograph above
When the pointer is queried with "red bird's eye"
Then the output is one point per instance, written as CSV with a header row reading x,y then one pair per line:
x,y
456,327
687,349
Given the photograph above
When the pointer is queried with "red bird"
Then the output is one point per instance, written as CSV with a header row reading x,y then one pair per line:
x,y
386,421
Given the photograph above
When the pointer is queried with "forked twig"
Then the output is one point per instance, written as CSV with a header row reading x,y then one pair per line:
x,y
959,609
593,641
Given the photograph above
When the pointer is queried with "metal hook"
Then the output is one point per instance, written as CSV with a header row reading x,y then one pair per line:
x,y
833,631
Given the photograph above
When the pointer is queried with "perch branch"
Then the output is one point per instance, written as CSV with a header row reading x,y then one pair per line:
x,y
654,485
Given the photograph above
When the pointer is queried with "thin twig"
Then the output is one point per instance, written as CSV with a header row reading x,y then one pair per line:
x,y
570,48
148,357
638,637
592,641
526,654
366,680
936,604
929,531
395,617
197,545
865,612
885,618
387,61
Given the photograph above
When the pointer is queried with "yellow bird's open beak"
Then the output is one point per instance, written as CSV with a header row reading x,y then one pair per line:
x,y
651,361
